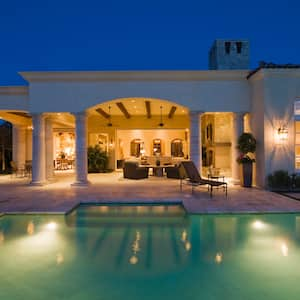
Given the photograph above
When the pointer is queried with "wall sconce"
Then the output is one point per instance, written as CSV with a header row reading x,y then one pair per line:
x,y
282,134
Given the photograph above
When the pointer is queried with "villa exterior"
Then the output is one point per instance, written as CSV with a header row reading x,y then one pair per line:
x,y
180,114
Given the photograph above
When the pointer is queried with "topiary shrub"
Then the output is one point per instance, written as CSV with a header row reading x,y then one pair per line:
x,y
97,160
279,180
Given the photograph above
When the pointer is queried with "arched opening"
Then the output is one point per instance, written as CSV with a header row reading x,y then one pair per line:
x,y
140,128
135,147
15,142
177,148
5,146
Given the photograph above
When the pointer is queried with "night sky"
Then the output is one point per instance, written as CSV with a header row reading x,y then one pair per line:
x,y
139,35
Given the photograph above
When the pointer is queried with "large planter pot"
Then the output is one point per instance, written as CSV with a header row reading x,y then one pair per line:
x,y
247,170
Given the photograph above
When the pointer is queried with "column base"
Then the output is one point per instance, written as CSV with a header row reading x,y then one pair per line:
x,y
38,183
236,181
81,183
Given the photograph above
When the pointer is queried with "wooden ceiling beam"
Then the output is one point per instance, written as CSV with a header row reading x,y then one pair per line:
x,y
123,110
172,111
148,109
103,113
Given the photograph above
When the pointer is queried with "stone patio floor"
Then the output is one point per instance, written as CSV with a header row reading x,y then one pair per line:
x,y
18,196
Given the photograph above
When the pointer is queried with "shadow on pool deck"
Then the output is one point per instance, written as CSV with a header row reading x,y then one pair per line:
x,y
17,196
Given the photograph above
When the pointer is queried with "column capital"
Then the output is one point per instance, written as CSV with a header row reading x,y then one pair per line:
x,y
196,112
240,113
79,114
36,114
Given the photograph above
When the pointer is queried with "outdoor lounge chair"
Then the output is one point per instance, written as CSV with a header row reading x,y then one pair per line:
x,y
194,179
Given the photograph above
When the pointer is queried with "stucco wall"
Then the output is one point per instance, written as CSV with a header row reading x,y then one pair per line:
x,y
205,95
257,123
14,98
280,94
273,93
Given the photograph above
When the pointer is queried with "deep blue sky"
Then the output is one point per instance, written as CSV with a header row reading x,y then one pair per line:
x,y
139,35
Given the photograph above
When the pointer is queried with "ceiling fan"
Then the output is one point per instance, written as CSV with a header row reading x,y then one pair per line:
x,y
161,124
109,124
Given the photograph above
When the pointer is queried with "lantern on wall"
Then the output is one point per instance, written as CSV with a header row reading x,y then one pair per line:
x,y
282,134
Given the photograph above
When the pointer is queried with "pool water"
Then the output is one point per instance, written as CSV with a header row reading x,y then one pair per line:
x,y
149,252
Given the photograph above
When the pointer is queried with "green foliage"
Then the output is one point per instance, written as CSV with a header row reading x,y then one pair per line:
x,y
279,180
297,181
246,145
97,160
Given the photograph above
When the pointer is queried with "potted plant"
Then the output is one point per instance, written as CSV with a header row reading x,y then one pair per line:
x,y
246,146
97,160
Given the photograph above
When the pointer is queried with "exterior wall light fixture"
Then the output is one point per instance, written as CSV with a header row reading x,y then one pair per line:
x,y
282,133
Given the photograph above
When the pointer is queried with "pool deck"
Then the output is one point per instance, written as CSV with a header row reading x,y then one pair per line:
x,y
59,197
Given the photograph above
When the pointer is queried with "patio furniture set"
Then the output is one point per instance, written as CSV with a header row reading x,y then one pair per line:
x,y
185,171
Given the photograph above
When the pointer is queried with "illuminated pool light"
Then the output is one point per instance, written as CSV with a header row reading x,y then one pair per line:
x,y
258,225
51,226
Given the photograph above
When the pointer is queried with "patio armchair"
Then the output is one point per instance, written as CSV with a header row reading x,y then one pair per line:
x,y
132,170
194,179
16,170
173,172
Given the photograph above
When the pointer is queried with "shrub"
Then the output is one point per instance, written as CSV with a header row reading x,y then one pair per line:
x,y
279,180
97,160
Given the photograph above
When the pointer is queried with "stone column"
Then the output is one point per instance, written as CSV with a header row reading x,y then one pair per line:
x,y
38,150
195,139
49,149
81,149
19,146
237,130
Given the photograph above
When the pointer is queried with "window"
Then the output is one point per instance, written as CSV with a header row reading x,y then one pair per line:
x,y
297,144
209,132
177,148
297,107
239,47
156,147
227,47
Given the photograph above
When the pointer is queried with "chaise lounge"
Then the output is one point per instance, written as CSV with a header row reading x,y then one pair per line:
x,y
194,179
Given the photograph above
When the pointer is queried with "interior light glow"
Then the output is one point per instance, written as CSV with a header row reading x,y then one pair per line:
x,y
59,258
218,257
133,260
284,249
184,236
30,228
187,246
2,238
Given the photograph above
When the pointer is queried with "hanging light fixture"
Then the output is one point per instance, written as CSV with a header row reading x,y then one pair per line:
x,y
161,124
109,124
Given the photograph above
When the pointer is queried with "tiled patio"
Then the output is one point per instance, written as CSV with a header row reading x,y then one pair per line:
x,y
17,196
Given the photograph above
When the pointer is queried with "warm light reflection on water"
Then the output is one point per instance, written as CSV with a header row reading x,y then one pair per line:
x,y
150,253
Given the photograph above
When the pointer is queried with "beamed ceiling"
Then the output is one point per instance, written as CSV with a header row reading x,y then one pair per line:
x,y
129,107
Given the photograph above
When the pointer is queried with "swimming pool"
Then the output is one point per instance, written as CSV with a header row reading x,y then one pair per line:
x,y
149,252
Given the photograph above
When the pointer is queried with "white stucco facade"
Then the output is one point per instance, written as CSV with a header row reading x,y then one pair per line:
x,y
70,99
